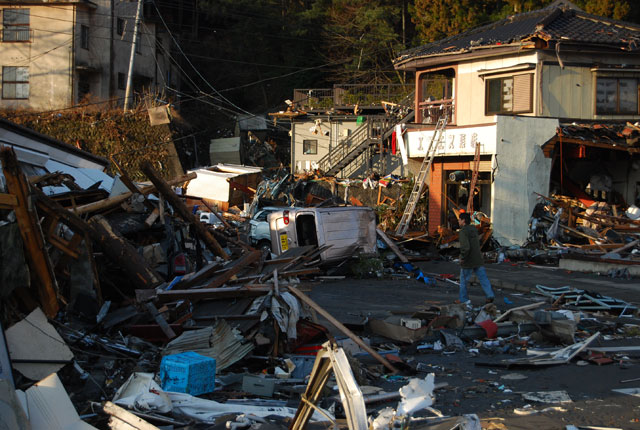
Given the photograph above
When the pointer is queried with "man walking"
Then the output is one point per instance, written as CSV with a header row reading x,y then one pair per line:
x,y
471,260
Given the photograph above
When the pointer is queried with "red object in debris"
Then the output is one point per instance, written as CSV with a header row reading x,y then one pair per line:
x,y
490,328
393,143
179,264
285,216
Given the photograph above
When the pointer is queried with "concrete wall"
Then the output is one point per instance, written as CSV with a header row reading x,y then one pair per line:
x,y
48,57
58,63
520,170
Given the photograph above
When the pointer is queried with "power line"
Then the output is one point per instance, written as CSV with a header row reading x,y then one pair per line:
x,y
189,61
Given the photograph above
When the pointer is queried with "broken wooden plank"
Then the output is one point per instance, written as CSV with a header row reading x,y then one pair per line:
x,y
519,308
285,274
37,257
212,293
337,324
236,267
8,201
184,213
164,326
114,201
391,245
196,277
122,419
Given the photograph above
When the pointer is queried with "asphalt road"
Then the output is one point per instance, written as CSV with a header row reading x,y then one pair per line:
x,y
484,390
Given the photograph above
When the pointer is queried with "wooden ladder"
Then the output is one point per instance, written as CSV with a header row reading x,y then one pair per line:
x,y
474,178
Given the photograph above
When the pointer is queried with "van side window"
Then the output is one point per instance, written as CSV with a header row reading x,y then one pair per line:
x,y
262,216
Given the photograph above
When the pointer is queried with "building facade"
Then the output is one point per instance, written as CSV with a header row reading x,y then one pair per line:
x,y
58,54
508,87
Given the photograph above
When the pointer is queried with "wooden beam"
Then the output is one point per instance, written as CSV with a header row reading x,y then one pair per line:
x,y
337,324
27,220
184,213
391,245
121,252
8,201
114,201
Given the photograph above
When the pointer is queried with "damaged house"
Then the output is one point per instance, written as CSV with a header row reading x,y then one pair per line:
x,y
347,131
548,97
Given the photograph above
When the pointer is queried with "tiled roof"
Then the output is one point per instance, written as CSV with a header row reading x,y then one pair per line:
x,y
559,22
615,134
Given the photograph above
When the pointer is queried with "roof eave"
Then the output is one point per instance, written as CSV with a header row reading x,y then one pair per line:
x,y
412,64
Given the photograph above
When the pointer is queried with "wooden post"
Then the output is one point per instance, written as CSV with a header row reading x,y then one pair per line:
x,y
27,219
166,191
120,251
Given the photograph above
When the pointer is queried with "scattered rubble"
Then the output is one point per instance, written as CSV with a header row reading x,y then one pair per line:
x,y
129,309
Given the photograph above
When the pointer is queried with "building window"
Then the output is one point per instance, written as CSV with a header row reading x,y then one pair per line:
x,y
617,96
15,82
84,89
120,26
436,96
84,37
310,147
508,95
122,81
15,25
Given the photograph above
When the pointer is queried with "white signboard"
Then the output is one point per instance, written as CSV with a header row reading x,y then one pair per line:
x,y
457,141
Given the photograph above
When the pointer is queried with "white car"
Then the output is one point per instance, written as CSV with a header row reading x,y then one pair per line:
x,y
259,233
210,219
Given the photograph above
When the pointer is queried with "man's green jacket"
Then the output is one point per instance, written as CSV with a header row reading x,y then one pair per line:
x,y
470,255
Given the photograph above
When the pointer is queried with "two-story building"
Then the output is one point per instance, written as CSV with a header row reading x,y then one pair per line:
x,y
347,131
57,54
510,87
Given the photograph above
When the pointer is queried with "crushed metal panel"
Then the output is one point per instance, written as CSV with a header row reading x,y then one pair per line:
x,y
221,342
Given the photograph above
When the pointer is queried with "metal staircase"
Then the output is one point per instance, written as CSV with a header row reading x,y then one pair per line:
x,y
350,148
418,187
373,132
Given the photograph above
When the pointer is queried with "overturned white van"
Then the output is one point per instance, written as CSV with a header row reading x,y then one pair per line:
x,y
348,230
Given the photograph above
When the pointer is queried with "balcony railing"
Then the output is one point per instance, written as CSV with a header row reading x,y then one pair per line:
x,y
17,34
430,111
349,95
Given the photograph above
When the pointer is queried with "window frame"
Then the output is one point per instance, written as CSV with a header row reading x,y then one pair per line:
x,y
313,142
122,81
84,36
16,28
15,82
503,110
120,26
617,111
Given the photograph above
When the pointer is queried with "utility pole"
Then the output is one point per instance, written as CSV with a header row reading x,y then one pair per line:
x,y
127,94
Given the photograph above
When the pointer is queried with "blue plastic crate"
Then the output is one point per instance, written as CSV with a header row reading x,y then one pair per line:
x,y
188,372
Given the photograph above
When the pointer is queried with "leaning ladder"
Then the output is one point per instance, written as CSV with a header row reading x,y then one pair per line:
x,y
436,138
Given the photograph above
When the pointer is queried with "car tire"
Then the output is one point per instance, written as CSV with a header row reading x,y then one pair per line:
x,y
265,247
